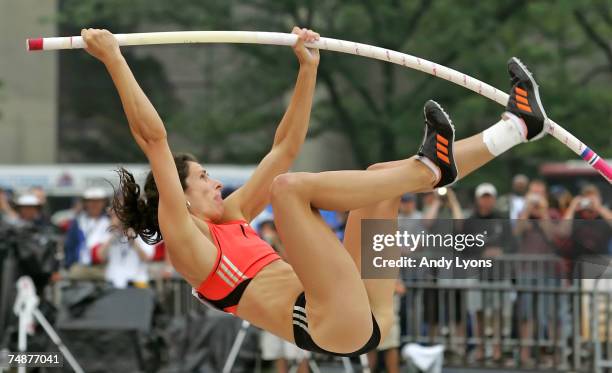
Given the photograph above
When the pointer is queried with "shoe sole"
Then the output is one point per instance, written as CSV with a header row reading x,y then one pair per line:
x,y
537,93
448,119
446,116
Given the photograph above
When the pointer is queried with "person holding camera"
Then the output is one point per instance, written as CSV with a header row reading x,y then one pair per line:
x,y
31,240
534,227
126,258
536,233
588,222
29,210
434,203
588,205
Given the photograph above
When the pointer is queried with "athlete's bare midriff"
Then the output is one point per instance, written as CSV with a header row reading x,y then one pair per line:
x,y
269,299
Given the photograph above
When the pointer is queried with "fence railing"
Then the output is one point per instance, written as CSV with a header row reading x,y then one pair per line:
x,y
536,322
539,322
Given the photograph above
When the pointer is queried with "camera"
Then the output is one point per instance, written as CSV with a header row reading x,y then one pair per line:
x,y
8,240
585,204
534,200
35,249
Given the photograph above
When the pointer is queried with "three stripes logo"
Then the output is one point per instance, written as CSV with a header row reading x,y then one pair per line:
x,y
299,318
229,273
521,99
442,149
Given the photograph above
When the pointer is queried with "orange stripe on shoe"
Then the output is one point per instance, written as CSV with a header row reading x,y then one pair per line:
x,y
522,100
523,107
442,139
520,91
443,157
442,148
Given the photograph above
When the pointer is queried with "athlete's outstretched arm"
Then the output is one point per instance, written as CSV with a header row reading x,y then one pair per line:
x,y
249,200
149,132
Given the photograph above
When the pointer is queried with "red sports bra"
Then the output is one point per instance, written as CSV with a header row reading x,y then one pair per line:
x,y
241,255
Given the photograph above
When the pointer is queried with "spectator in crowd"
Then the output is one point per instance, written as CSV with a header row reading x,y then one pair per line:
x,y
535,232
485,199
591,234
126,258
273,347
409,217
35,242
63,218
534,228
389,347
441,204
560,202
408,207
29,210
86,233
7,213
588,205
561,198
498,239
512,203
41,194
439,207
486,218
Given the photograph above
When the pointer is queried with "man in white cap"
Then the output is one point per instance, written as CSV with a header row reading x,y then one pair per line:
x,y
486,197
498,239
29,209
86,234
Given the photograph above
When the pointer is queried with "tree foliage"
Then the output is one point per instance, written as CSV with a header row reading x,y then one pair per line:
x,y
376,105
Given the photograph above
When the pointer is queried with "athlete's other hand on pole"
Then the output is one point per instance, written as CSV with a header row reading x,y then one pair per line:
x,y
101,44
308,57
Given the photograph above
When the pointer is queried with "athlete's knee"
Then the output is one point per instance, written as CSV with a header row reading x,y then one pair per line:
x,y
288,184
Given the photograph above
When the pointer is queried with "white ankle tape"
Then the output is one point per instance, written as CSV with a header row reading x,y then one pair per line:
x,y
432,166
506,133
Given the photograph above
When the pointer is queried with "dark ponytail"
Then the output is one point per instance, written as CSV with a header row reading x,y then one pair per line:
x,y
139,212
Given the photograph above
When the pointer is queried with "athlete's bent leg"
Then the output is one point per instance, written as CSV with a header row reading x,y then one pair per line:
x,y
327,272
524,121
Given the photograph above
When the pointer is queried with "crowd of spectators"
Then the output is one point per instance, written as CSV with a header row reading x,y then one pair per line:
x,y
90,247
532,221
532,217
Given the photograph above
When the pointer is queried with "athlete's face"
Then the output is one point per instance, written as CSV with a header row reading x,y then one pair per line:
x,y
203,193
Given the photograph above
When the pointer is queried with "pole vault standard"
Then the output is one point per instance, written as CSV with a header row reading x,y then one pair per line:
x,y
336,45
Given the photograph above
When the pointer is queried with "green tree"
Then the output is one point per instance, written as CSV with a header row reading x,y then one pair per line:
x,y
92,126
376,105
